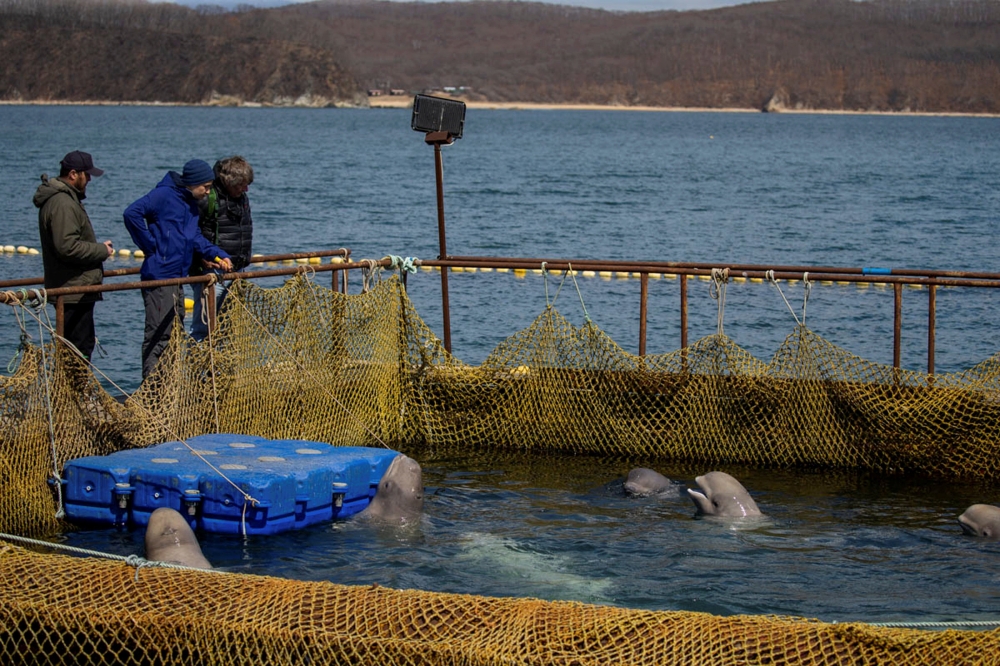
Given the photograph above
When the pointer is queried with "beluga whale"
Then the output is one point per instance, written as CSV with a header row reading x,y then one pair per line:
x,y
643,482
721,495
170,539
399,499
981,520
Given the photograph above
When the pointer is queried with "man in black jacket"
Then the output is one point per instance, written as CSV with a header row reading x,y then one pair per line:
x,y
71,255
226,222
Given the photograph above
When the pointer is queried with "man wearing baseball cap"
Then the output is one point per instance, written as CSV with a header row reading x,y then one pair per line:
x,y
71,255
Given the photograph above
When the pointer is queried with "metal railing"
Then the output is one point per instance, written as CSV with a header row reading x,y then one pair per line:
x,y
13,290
897,277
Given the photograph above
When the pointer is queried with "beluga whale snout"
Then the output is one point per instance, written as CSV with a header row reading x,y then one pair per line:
x,y
399,498
722,495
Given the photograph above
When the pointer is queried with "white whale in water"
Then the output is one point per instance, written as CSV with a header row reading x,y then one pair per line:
x,y
981,520
643,482
169,538
536,573
722,495
399,499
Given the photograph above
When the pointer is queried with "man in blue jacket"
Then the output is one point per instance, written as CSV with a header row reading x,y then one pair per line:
x,y
164,224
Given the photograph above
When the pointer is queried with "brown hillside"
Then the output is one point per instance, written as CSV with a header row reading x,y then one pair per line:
x,y
892,55
60,61
930,55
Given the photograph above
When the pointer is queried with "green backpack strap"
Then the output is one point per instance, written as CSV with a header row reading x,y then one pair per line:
x,y
210,213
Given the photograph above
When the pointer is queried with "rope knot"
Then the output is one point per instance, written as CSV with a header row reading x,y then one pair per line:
x,y
717,289
403,265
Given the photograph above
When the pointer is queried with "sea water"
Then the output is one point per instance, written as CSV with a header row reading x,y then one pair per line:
x,y
718,188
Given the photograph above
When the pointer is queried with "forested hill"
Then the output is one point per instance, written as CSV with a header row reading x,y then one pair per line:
x,y
885,55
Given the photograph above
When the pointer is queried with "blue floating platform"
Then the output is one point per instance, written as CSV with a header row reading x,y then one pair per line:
x,y
295,483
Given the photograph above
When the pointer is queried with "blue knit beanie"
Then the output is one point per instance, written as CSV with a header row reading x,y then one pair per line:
x,y
197,172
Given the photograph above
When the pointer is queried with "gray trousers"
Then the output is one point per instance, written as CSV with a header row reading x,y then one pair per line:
x,y
162,305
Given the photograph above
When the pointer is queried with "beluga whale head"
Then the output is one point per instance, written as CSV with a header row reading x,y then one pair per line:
x,y
169,538
721,495
981,520
399,499
643,482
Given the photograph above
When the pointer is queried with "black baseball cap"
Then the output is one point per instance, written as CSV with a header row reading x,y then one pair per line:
x,y
81,161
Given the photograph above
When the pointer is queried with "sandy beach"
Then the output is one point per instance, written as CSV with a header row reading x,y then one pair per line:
x,y
406,102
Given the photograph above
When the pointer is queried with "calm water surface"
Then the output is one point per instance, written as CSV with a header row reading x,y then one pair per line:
x,y
915,192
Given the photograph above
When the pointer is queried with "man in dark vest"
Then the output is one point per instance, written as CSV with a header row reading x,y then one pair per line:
x,y
71,255
225,221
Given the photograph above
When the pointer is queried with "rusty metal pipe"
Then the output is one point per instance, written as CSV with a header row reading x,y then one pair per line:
x,y
433,137
120,272
643,298
125,286
778,273
897,323
60,316
684,321
868,272
931,324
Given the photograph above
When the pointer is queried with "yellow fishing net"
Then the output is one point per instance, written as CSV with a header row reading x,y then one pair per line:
x,y
302,361
61,610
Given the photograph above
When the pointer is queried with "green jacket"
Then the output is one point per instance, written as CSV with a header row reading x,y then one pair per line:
x,y
71,255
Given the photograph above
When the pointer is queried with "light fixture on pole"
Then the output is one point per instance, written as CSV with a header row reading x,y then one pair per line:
x,y
442,120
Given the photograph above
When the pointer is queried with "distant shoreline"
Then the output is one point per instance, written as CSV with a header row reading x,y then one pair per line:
x,y
406,101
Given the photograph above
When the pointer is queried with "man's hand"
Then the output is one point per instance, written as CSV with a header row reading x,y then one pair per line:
x,y
111,247
225,264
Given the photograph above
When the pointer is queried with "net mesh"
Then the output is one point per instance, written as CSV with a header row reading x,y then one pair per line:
x,y
302,361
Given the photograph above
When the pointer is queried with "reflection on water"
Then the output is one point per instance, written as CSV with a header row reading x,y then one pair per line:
x,y
833,546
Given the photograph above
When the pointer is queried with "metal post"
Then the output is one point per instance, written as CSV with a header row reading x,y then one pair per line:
x,y
897,324
437,139
347,260
931,323
684,311
208,293
60,316
684,322
643,296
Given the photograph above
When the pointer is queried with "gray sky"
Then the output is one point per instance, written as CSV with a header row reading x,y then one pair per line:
x,y
613,5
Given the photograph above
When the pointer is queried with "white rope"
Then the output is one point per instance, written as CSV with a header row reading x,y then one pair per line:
x,y
305,370
32,303
717,289
774,283
130,560
545,285
51,331
805,296
209,288
925,625
563,282
572,274
371,273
